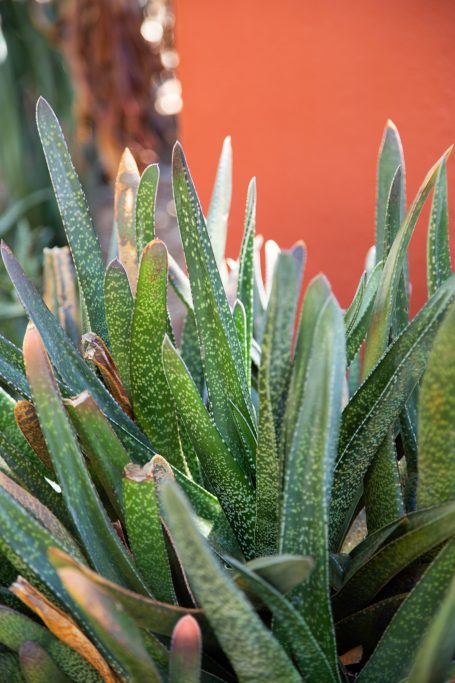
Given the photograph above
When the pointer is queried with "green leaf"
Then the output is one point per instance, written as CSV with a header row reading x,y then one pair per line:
x,y
290,626
357,328
68,362
220,348
112,625
220,203
10,668
85,508
438,253
12,370
393,656
145,535
268,475
106,454
283,572
390,159
119,312
383,495
16,211
239,315
82,239
309,471
145,207
234,621
17,628
227,480
152,400
366,582
375,406
185,657
37,666
434,656
245,282
385,298
316,295
285,289
191,353
436,464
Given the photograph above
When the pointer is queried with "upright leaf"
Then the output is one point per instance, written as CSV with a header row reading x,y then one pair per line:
x,y
224,475
145,207
89,517
185,659
390,158
252,650
80,233
309,472
119,312
438,255
152,400
220,348
68,362
220,203
143,526
436,463
245,283
393,656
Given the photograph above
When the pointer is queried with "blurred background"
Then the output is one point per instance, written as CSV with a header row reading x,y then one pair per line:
x,y
304,89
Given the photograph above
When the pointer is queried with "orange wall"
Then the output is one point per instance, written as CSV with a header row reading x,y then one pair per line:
x,y
305,88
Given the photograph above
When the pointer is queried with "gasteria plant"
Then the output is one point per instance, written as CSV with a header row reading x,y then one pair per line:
x,y
274,500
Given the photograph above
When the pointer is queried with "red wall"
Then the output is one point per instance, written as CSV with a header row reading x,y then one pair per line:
x,y
305,88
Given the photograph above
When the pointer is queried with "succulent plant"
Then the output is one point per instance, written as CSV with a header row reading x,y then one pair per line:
x,y
271,499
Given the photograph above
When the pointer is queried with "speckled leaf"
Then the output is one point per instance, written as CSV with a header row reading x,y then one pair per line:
x,y
291,628
119,312
245,282
12,370
99,441
352,311
145,207
358,326
68,362
85,508
227,479
433,659
10,667
285,288
268,475
126,185
375,406
220,203
390,158
436,462
381,317
382,489
152,400
113,626
309,471
145,535
42,514
393,656
185,657
239,315
23,461
80,233
366,582
438,253
191,354
37,666
316,295
146,612
220,348
234,621
16,628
